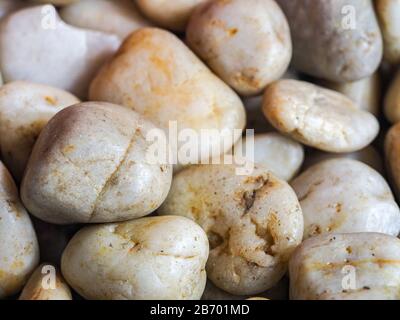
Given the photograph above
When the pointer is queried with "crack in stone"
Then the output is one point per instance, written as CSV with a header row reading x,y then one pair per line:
x,y
91,183
139,245
249,197
310,190
176,256
112,176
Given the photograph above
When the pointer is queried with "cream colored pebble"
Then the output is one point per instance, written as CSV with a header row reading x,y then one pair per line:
x,y
46,284
160,258
281,155
19,250
335,40
365,93
318,117
25,108
37,46
155,74
358,266
346,196
119,17
246,43
388,12
172,15
90,164
392,100
253,223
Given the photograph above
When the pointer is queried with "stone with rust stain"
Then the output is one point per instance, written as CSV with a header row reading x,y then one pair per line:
x,y
346,196
246,43
25,108
156,75
19,250
318,117
357,266
253,222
